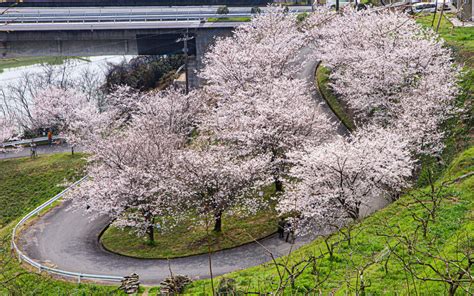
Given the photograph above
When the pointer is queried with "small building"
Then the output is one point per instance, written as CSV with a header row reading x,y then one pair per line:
x,y
465,10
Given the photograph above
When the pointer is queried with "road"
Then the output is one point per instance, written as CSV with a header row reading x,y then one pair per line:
x,y
40,150
136,25
68,240
68,18
58,147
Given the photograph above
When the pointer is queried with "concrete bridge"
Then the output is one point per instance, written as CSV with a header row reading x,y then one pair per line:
x,y
115,31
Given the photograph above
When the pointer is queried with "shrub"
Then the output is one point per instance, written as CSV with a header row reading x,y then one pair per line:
x,y
255,10
223,10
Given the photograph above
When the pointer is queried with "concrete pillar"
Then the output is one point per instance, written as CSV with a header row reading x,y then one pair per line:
x,y
3,49
204,40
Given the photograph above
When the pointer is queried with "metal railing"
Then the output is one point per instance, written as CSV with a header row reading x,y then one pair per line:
x,y
24,258
38,19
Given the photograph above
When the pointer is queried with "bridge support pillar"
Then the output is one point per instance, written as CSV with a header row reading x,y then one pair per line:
x,y
3,48
204,40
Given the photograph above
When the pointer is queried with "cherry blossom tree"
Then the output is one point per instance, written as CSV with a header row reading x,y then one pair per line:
x,y
122,105
128,182
7,131
257,52
391,71
67,111
337,179
256,104
214,181
130,172
271,119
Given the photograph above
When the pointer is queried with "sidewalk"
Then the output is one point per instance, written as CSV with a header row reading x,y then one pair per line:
x,y
39,140
45,149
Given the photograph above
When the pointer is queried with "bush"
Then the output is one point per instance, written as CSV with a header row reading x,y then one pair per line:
x,y
223,10
142,73
227,287
302,16
255,10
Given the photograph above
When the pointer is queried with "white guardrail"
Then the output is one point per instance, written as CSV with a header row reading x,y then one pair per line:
x,y
35,19
39,266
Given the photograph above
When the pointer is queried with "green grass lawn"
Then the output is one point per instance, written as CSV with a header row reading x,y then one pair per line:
x,y
24,185
460,38
229,19
191,238
322,80
28,61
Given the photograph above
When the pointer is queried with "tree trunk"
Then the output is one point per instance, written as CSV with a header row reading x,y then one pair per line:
x,y
151,231
440,16
278,185
72,150
434,14
151,234
218,222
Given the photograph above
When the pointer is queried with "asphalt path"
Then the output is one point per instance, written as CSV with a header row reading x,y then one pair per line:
x,y
68,240
40,150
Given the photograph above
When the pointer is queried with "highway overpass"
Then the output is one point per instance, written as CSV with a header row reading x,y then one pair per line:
x,y
115,31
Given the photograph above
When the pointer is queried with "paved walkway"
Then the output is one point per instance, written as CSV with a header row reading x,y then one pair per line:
x,y
40,150
69,240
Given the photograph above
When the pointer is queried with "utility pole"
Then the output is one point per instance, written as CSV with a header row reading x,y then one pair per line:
x,y
185,39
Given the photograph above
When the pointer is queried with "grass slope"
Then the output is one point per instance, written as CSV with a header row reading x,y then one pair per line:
x,y
190,237
228,19
28,61
322,80
26,183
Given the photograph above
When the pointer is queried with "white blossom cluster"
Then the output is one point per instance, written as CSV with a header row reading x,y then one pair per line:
x,y
168,154
392,72
400,82
7,131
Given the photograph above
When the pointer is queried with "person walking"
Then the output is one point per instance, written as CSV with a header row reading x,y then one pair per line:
x,y
50,138
281,228
290,235
33,149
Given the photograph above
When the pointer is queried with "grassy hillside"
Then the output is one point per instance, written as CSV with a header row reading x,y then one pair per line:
x,y
24,185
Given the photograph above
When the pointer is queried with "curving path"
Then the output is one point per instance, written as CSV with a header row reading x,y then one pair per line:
x,y
69,240
41,150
